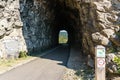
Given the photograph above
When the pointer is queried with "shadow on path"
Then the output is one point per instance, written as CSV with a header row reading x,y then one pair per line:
x,y
48,67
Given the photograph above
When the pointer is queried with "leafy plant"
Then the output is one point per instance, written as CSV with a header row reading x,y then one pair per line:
x,y
22,54
117,61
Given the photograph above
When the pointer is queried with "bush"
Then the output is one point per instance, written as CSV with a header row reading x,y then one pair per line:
x,y
117,61
22,54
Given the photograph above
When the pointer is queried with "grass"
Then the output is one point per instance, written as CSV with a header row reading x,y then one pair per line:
x,y
5,64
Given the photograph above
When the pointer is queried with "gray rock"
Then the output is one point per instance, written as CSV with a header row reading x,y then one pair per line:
x,y
12,47
100,39
35,23
18,24
108,32
90,62
2,4
2,33
1,54
115,40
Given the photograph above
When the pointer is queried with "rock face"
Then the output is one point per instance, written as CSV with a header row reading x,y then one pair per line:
x,y
34,25
37,25
11,37
101,25
107,22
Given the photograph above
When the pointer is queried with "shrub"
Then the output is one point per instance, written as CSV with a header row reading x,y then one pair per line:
x,y
117,61
22,54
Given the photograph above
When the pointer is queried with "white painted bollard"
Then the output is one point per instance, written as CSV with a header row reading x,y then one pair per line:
x,y
100,63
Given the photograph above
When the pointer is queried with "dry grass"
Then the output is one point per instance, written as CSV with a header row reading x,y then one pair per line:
x,y
6,64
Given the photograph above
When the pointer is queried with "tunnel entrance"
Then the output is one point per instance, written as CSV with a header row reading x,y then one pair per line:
x,y
63,37
34,25
43,21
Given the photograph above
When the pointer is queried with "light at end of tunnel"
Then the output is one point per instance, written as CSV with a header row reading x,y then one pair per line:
x,y
63,37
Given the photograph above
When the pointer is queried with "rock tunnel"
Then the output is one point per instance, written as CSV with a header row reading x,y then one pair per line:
x,y
32,25
43,21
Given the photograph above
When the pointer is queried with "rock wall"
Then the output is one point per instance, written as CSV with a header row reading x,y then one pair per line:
x,y
108,24
11,37
100,21
108,34
38,29
26,25
34,25
101,26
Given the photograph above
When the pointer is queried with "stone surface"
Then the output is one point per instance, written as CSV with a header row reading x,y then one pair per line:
x,y
100,19
1,54
11,46
90,62
37,23
100,39
9,20
108,32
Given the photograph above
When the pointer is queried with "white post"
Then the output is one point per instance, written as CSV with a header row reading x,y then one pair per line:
x,y
100,63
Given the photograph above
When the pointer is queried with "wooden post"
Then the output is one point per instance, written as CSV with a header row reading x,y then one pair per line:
x,y
100,63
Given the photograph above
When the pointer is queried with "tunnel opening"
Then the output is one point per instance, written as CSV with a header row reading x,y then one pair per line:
x,y
43,21
67,17
63,37
34,25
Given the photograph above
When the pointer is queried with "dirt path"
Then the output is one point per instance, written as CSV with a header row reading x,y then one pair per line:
x,y
49,67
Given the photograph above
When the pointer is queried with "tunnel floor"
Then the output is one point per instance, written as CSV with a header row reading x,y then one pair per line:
x,y
48,67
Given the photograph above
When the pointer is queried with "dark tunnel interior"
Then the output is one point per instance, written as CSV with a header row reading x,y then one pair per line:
x,y
44,19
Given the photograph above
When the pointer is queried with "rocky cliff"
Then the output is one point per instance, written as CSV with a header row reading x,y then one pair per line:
x,y
11,36
34,25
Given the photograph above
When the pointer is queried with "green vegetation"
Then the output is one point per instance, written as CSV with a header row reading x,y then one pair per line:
x,y
22,54
63,37
117,61
6,63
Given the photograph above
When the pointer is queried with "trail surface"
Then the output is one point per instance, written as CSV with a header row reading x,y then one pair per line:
x,y
48,67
